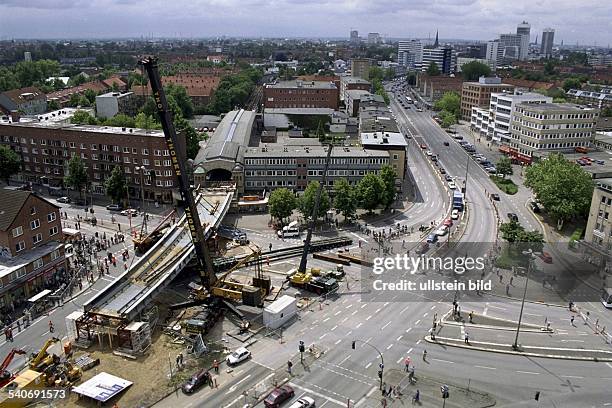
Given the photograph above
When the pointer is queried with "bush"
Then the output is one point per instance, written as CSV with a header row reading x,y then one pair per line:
x,y
505,185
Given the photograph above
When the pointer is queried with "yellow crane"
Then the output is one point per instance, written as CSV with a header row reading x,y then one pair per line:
x,y
42,359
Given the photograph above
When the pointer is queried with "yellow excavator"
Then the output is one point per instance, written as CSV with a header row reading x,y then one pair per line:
x,y
42,360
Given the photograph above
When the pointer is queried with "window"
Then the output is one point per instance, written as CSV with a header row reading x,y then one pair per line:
x,y
145,162
145,151
94,146
17,231
157,163
55,254
21,272
32,210
134,150
126,150
51,217
34,224
167,163
72,145
20,246
38,263
53,231
37,238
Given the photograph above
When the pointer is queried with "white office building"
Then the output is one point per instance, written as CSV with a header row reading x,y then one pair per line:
x,y
410,54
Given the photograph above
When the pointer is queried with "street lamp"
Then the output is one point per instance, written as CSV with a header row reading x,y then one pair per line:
x,y
142,171
382,361
518,327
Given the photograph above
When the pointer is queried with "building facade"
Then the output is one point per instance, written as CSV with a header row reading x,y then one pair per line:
x,y
410,54
350,83
539,129
548,38
444,57
301,94
524,31
598,233
478,94
28,101
114,103
360,67
31,249
373,38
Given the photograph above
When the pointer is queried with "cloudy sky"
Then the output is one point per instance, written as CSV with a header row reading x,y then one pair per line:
x,y
583,21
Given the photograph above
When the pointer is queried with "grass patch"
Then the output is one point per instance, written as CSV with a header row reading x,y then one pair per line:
x,y
505,185
509,258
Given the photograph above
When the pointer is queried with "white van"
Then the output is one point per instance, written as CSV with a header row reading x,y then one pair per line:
x,y
290,231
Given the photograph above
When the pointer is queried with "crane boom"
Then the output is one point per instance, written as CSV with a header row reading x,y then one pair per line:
x,y
178,165
315,211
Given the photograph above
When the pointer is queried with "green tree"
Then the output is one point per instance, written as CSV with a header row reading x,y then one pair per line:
x,y
344,198
82,117
474,70
388,176
549,67
450,102
83,101
562,187
115,185
120,120
8,80
370,190
180,96
376,73
52,105
74,101
90,94
570,83
77,174
504,167
389,74
511,230
448,119
282,202
143,121
191,136
9,163
77,80
433,69
411,78
306,202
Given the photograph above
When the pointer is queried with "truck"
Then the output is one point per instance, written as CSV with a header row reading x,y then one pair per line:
x,y
317,284
457,200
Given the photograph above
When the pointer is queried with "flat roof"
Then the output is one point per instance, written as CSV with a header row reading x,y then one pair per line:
x,y
280,304
377,123
102,387
354,80
548,107
357,93
299,84
90,128
383,139
269,151
300,111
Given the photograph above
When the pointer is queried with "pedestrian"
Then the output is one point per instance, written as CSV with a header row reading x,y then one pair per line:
x,y
459,311
417,397
407,364
18,326
501,278
216,366
270,246
507,289
178,362
384,389
511,279
432,333
467,338
107,272
289,366
472,316
125,267
51,328
424,355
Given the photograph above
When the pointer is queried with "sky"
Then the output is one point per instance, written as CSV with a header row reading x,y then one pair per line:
x,y
582,21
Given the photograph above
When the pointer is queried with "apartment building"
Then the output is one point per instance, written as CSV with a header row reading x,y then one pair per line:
x,y
598,234
28,101
31,249
360,67
410,54
479,94
300,94
45,149
538,129
350,83
114,103
444,57
599,99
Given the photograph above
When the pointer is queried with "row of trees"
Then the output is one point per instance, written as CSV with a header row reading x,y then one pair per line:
x,y
449,108
372,191
77,178
234,90
377,75
28,73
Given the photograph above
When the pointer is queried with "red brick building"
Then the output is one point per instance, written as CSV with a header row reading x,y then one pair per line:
x,y
63,96
301,94
199,87
31,248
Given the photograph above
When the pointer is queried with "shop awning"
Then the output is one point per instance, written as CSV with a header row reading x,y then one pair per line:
x,y
39,296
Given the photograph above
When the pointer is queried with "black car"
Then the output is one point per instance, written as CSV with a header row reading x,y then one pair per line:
x,y
513,217
446,144
495,196
535,207
196,381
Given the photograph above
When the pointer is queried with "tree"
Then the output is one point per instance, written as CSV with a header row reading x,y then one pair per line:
x,y
450,102
90,94
120,120
388,176
511,230
77,80
306,202
82,117
77,174
282,202
191,136
376,73
180,96
433,69
571,83
549,67
448,119
9,163
143,121
115,185
52,105
504,167
344,198
562,187
370,190
474,70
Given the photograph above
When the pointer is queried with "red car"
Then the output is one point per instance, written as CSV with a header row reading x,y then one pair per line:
x,y
278,396
545,256
423,146
448,222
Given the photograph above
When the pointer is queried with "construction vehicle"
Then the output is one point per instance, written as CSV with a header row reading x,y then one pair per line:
x,y
5,375
143,241
210,283
317,284
29,380
42,359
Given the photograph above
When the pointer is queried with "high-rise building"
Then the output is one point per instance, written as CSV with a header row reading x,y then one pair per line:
x,y
510,47
479,94
444,57
373,38
524,30
410,54
360,67
27,56
548,37
354,36
492,55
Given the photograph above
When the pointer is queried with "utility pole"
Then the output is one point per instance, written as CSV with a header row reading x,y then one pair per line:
x,y
518,327
382,360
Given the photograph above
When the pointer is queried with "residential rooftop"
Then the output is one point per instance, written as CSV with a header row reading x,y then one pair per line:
x,y
298,84
88,128
270,150
554,107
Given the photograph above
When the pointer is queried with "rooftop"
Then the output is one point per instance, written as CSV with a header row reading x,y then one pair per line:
x,y
554,107
89,128
267,150
24,94
302,84
354,80
357,93
10,265
383,139
55,117
11,202
115,94
230,138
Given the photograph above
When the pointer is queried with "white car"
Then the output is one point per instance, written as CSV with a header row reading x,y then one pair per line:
x,y
238,356
455,214
442,231
452,185
130,211
429,153
304,402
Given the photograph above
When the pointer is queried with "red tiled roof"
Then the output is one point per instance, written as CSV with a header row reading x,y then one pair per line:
x,y
95,86
114,80
21,95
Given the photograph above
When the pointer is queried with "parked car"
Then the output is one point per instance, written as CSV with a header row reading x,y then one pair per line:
x,y
434,158
304,402
114,207
423,146
452,185
442,171
432,238
196,381
513,217
535,207
419,110
455,214
495,196
443,230
457,137
491,170
429,153
65,200
278,395
448,222
238,356
545,256
130,211
600,162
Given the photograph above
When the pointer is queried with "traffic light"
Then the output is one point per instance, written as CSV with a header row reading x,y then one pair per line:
x,y
537,396
302,348
353,345
444,391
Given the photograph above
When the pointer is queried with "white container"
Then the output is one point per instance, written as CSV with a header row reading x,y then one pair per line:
x,y
71,329
279,312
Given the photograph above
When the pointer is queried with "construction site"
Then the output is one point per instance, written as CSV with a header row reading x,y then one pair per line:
x,y
196,284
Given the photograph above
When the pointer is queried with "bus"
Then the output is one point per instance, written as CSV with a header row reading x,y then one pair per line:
x,y
606,297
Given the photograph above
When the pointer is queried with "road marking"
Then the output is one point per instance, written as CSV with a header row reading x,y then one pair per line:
x,y
377,310
359,237
359,325
399,338
309,391
408,329
334,328
368,365
433,307
324,320
354,313
425,315
383,328
389,346
443,361
571,376
338,341
404,309
369,317
527,372
233,387
337,313
485,367
609,365
410,350
344,360
364,305
349,306
418,342
323,335
417,322
344,320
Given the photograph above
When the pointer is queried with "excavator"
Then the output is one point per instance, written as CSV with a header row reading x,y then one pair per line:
x,y
5,375
42,359
211,285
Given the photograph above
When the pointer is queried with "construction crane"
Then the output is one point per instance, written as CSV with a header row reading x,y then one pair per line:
x,y
204,262
5,375
145,241
315,211
43,359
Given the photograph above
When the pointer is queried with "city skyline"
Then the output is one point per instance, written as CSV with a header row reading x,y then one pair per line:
x,y
466,19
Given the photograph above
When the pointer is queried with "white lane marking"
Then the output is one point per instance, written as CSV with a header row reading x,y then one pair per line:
x,y
368,365
344,360
443,361
433,307
324,320
408,329
369,317
527,372
571,376
361,239
383,328
323,335
389,346
338,342
233,387
337,313
354,313
404,309
417,322
309,391
485,367
399,338
334,328
358,325
349,306
364,305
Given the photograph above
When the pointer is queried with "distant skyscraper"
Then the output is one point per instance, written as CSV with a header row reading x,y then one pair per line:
x,y
548,37
27,56
524,30
373,38
354,36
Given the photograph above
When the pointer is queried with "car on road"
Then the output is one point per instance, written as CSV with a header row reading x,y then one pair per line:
x,y
513,217
278,395
545,256
452,185
442,170
130,211
304,402
448,222
495,196
491,170
238,356
448,177
600,162
429,153
446,144
419,110
64,200
457,137
114,207
434,158
432,238
196,381
423,146
534,207
442,231
455,214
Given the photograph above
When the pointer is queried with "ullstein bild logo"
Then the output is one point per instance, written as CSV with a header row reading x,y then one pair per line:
x,y
423,263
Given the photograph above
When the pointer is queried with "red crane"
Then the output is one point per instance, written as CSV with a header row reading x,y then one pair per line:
x,y
5,375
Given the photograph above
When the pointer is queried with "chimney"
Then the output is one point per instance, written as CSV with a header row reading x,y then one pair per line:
x,y
15,116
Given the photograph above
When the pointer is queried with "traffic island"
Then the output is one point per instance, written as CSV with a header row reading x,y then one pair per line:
x,y
526,350
430,393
